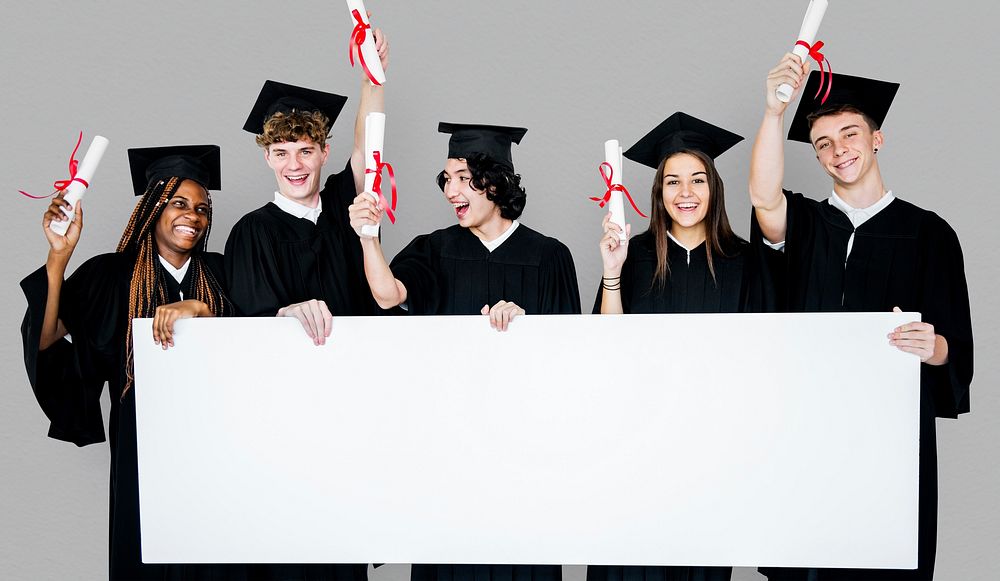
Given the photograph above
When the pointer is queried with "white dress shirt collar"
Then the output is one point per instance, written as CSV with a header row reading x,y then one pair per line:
x,y
496,242
298,210
859,216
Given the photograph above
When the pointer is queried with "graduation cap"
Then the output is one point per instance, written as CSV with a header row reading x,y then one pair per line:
x,y
278,97
679,132
870,96
200,163
491,140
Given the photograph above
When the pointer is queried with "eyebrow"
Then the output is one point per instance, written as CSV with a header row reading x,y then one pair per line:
x,y
673,175
842,129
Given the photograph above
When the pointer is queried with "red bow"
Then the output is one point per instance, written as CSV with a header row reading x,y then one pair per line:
x,y
614,188
821,59
358,36
377,185
63,184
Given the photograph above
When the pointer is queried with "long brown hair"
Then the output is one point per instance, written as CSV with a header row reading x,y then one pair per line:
x,y
148,288
719,236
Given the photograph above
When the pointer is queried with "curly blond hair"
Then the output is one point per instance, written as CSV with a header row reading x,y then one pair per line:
x,y
295,125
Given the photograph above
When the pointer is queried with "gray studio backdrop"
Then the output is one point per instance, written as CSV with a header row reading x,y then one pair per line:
x,y
148,73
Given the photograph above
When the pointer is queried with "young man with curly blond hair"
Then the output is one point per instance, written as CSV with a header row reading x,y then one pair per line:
x,y
297,256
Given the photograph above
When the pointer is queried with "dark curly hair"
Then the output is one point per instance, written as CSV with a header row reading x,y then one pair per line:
x,y
502,185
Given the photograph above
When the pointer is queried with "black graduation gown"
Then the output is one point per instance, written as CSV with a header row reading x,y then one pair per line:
x,y
68,378
689,288
274,259
903,256
450,272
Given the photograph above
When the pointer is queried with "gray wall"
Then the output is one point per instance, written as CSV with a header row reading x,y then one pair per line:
x,y
153,73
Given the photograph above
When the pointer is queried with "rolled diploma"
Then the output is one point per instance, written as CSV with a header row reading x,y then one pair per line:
x,y
810,26
75,190
613,155
368,46
374,140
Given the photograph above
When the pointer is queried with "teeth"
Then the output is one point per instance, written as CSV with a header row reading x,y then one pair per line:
x,y
187,230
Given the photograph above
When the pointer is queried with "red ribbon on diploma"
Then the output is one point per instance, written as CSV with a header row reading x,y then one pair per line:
x,y
63,184
377,185
614,188
820,58
358,36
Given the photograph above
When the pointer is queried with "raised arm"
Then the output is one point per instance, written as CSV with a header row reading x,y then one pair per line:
x,y
767,160
372,100
60,251
387,291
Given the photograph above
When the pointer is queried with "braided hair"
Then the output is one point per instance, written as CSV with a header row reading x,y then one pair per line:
x,y
148,288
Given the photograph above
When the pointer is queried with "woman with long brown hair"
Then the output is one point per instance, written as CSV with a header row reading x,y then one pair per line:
x,y
689,260
78,333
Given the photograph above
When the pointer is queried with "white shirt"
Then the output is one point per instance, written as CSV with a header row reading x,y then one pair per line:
x,y
298,210
496,242
857,217
176,273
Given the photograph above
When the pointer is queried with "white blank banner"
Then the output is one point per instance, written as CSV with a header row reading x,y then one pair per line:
x,y
784,440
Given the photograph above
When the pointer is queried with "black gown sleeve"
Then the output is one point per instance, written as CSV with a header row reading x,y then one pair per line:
x,y
414,267
945,304
559,292
68,377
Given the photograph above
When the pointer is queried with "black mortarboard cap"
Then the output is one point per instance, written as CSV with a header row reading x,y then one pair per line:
x,y
679,132
491,140
871,96
200,163
275,97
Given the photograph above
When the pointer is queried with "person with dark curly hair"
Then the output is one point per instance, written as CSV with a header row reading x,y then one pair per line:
x,y
296,255
488,263
78,333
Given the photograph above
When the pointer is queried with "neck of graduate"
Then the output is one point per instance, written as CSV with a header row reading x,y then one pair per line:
x,y
866,191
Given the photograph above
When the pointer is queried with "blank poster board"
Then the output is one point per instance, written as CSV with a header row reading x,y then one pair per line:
x,y
730,439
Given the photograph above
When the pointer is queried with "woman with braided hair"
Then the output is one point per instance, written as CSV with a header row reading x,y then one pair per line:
x,y
78,333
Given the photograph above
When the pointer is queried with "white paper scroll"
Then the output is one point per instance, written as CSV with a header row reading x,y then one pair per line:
x,y
368,46
374,141
76,189
724,439
613,156
810,27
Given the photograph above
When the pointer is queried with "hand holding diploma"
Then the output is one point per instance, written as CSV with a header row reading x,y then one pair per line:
x,y
806,43
79,182
62,244
364,43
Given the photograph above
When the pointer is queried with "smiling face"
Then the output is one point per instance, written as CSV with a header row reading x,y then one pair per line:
x,y
297,166
845,146
472,208
686,194
184,220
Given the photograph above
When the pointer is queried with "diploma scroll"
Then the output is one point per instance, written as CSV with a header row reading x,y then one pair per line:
x,y
807,34
80,182
366,51
374,140
613,157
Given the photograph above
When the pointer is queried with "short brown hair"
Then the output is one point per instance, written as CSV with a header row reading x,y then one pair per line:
x,y
837,110
295,125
